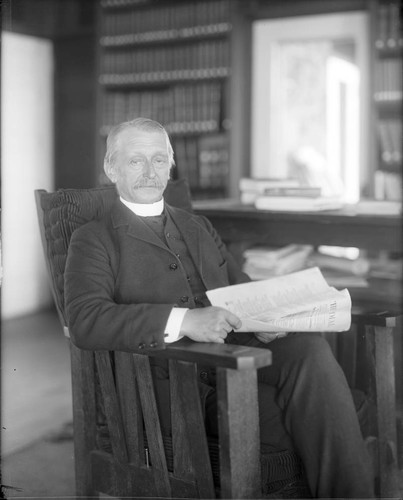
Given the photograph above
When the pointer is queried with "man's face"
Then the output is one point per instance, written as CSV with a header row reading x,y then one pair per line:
x,y
141,168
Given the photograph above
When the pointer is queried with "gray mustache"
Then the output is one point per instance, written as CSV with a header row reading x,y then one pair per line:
x,y
147,184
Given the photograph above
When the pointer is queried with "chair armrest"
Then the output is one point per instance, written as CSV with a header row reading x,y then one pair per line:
x,y
365,315
237,357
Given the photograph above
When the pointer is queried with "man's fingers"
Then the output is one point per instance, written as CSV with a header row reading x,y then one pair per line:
x,y
233,321
219,340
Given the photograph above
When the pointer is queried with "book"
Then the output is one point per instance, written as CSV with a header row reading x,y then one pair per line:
x,y
305,191
298,203
265,262
359,266
260,185
296,302
251,188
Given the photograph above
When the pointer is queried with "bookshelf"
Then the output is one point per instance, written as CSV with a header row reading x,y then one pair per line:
x,y
387,97
170,61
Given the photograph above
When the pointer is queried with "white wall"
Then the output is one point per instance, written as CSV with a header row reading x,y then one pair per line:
x,y
27,164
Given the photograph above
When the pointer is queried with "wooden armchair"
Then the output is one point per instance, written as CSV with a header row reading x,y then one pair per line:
x,y
141,461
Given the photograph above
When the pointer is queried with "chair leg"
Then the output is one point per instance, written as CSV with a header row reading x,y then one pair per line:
x,y
382,390
238,420
84,418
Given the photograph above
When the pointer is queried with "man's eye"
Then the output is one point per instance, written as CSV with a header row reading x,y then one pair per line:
x,y
160,161
136,162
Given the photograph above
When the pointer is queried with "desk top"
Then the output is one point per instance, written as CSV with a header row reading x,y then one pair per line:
x,y
349,226
351,214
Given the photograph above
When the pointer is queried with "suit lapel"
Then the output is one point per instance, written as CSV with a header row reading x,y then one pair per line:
x,y
136,228
189,231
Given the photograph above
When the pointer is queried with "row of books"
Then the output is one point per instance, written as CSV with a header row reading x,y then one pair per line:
x,y
286,195
389,26
165,19
388,186
163,59
390,140
202,160
389,80
181,108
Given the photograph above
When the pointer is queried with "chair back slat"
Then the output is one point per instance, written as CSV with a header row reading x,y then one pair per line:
x,y
111,406
128,396
152,424
187,410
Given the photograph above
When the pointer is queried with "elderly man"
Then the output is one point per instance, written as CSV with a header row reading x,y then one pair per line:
x,y
137,279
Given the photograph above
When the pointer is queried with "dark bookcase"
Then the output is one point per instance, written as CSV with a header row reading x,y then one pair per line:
x,y
188,65
387,41
170,61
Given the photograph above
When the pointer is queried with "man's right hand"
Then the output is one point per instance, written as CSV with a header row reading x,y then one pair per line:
x,y
209,324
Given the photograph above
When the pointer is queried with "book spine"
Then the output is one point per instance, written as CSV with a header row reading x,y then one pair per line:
x,y
306,192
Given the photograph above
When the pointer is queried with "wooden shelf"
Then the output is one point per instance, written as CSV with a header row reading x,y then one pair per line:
x,y
389,52
193,33
163,77
124,4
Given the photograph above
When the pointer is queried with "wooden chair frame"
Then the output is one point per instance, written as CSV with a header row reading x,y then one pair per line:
x,y
137,465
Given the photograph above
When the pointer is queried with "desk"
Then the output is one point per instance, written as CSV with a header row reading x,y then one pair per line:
x,y
345,227
377,308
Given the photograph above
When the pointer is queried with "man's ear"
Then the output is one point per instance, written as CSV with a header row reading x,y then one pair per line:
x,y
110,171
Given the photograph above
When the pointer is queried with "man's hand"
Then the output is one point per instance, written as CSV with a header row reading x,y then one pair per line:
x,y
267,337
209,324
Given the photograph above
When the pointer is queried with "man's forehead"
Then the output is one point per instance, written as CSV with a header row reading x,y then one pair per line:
x,y
134,137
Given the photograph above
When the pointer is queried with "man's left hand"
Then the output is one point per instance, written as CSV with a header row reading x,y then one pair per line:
x,y
267,337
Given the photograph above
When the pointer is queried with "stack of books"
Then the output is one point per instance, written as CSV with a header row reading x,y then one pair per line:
x,y
298,198
265,262
341,271
250,189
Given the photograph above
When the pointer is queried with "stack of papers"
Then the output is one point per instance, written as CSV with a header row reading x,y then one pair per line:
x,y
298,203
264,262
297,302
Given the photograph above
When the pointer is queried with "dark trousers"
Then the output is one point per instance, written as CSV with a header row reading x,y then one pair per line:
x,y
305,404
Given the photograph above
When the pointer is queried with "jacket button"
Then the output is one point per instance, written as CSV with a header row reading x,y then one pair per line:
x,y
154,344
173,266
141,346
184,298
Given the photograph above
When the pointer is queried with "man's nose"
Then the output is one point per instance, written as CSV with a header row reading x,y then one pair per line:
x,y
149,170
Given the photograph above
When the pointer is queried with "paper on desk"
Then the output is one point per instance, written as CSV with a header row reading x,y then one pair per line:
x,y
300,301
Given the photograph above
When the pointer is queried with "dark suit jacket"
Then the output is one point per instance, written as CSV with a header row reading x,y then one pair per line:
x,y
119,283
120,287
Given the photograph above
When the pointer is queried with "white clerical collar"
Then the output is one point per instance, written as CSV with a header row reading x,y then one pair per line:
x,y
145,209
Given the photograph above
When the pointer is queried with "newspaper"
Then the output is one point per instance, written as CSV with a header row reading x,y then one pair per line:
x,y
296,302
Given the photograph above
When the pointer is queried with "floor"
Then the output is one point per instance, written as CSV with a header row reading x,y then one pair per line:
x,y
36,411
